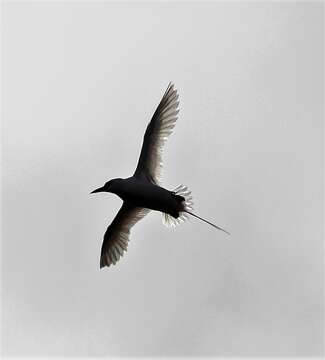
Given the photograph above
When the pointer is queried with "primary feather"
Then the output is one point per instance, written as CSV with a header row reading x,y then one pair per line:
x,y
160,127
116,237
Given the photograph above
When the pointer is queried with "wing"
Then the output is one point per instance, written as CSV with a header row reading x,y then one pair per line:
x,y
157,132
116,237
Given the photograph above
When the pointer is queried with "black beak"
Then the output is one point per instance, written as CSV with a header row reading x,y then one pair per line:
x,y
98,190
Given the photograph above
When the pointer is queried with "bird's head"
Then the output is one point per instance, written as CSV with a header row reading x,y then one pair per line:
x,y
108,187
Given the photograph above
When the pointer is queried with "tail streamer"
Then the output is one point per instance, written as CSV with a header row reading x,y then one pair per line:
x,y
187,208
208,222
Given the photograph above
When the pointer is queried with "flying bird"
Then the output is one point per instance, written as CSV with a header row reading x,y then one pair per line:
x,y
143,192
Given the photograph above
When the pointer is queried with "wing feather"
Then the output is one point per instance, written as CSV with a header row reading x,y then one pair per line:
x,y
116,237
157,132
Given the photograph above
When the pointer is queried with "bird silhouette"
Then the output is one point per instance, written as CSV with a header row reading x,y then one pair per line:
x,y
142,191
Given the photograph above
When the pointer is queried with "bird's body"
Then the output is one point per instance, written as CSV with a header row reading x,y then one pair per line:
x,y
142,192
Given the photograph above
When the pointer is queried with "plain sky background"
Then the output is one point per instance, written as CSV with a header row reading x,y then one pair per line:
x,y
81,81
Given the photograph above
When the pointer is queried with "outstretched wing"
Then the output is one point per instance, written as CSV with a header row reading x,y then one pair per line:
x,y
157,132
116,237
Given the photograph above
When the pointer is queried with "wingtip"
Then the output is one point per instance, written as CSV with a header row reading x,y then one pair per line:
x,y
171,86
102,263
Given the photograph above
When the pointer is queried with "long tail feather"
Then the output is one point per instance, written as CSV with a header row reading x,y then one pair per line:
x,y
208,222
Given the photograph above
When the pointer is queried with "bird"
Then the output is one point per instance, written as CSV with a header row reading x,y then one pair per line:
x,y
143,192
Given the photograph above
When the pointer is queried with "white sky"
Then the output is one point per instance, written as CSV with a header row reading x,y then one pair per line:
x,y
81,81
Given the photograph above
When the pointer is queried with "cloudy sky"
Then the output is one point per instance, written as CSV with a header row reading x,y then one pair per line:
x,y
80,83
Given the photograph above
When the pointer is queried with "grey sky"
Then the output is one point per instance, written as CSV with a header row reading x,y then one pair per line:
x,y
81,81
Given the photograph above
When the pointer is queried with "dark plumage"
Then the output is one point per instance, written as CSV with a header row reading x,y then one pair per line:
x,y
141,192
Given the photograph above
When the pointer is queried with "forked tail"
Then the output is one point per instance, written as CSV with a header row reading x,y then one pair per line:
x,y
208,222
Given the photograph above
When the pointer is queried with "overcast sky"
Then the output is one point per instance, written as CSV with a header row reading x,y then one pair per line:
x,y
81,82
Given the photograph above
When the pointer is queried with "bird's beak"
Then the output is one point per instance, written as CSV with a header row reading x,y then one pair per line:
x,y
98,190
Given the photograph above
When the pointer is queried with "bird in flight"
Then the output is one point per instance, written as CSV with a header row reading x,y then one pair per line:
x,y
143,192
